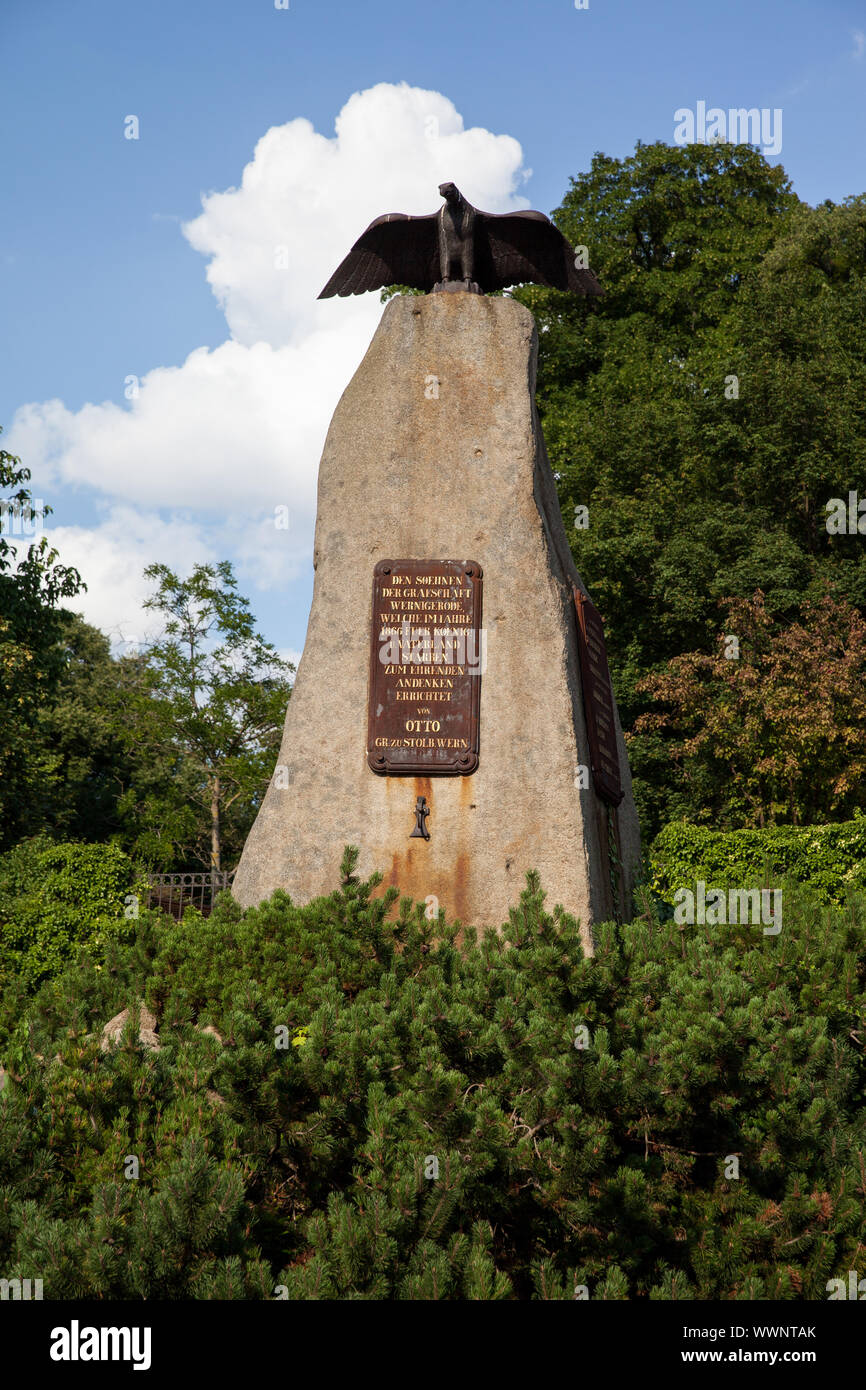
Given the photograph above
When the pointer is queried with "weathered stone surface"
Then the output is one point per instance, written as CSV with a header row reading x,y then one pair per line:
x,y
451,468
146,1029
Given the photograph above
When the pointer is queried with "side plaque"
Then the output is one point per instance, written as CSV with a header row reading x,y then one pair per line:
x,y
598,700
426,662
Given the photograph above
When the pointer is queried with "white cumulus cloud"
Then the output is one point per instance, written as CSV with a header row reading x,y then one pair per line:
x,y
111,557
236,431
273,242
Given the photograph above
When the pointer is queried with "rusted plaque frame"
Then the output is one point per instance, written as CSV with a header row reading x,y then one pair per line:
x,y
462,719
598,700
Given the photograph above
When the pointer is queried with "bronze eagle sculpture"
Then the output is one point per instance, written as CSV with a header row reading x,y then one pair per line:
x,y
460,248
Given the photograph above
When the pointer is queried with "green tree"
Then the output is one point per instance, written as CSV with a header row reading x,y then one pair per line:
x,y
30,655
80,762
774,729
205,717
704,410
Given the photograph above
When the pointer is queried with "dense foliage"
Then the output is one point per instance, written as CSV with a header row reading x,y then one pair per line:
x,y
773,723
57,898
380,1114
165,750
210,709
830,859
32,583
705,411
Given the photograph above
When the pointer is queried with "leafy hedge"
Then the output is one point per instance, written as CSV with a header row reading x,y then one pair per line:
x,y
56,898
831,859
385,1114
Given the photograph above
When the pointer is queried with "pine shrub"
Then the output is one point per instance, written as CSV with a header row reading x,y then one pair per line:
x,y
387,1108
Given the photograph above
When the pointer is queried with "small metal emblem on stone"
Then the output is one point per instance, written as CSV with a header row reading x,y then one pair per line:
x,y
422,811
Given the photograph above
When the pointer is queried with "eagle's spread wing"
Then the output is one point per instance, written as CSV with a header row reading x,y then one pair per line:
x,y
396,249
515,247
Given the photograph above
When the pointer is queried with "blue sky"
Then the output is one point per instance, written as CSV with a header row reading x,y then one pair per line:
x,y
99,281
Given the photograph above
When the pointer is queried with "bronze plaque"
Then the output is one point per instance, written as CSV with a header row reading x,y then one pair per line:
x,y
426,660
598,700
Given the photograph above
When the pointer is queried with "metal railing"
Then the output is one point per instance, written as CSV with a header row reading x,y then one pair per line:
x,y
172,893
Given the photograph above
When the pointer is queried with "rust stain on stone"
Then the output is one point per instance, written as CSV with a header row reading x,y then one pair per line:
x,y
459,904
410,866
412,863
461,895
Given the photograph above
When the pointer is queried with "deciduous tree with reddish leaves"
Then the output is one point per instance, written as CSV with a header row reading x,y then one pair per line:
x,y
771,727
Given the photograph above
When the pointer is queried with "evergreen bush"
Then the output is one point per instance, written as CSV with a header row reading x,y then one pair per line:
x,y
383,1110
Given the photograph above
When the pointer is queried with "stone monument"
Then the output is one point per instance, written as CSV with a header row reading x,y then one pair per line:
x,y
452,713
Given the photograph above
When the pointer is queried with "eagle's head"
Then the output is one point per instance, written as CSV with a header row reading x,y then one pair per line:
x,y
450,192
